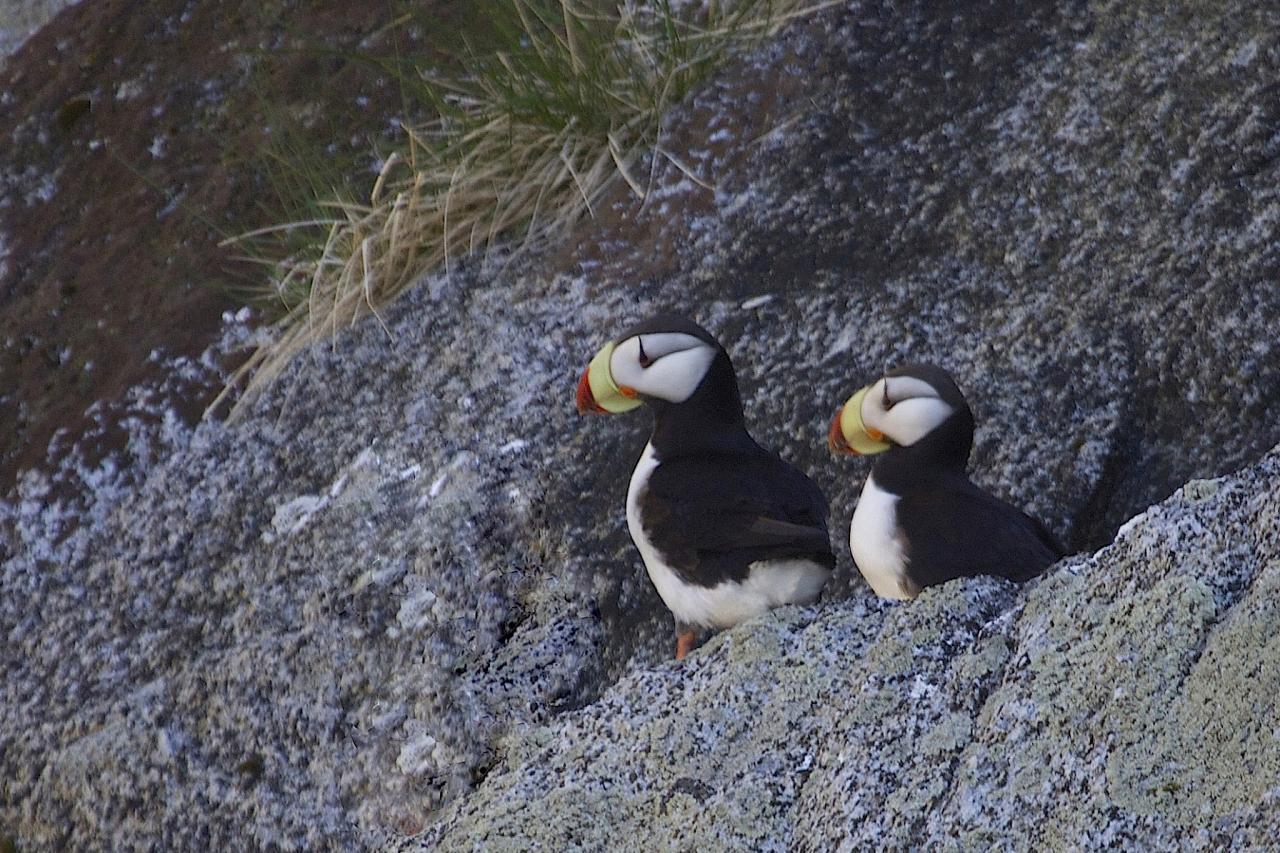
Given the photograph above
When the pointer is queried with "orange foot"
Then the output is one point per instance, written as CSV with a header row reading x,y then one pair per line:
x,y
686,639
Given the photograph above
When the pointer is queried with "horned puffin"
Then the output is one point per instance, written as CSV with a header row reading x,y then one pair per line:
x,y
726,529
920,521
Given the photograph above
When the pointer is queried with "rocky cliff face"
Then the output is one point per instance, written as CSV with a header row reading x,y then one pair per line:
x,y
399,596
1127,699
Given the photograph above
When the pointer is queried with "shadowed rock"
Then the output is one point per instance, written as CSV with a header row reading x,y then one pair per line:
x,y
402,591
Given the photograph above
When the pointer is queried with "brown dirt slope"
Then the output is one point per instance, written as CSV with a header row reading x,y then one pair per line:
x,y
132,139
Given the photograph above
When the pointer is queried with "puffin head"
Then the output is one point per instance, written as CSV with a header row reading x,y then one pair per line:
x,y
663,360
916,405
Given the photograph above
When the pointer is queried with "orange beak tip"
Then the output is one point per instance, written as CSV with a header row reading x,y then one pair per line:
x,y
587,404
835,436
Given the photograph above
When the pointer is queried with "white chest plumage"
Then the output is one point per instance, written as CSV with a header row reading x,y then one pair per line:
x,y
770,583
876,544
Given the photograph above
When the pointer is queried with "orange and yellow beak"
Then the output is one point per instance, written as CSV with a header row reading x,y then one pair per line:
x,y
587,404
849,434
598,394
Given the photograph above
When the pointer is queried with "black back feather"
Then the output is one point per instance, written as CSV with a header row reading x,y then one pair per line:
x,y
954,529
712,515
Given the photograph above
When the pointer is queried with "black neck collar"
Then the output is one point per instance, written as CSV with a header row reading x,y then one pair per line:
x,y
710,421
942,453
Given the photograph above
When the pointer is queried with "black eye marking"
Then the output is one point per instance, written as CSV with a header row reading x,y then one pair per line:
x,y
645,361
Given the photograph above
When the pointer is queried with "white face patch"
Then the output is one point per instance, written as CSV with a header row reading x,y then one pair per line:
x,y
676,364
907,411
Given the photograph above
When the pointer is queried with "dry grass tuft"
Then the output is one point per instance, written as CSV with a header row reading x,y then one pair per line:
x,y
566,98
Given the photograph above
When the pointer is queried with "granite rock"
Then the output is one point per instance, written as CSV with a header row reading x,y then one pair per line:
x,y
1125,699
398,596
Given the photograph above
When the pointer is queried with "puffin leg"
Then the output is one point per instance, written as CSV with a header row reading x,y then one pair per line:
x,y
686,640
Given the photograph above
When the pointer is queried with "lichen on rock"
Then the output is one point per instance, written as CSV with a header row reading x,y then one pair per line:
x,y
1128,697
399,597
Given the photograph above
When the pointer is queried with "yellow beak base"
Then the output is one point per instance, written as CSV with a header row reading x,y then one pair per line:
x,y
855,431
606,392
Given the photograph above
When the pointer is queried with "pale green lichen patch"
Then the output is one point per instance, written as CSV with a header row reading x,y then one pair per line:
x,y
947,735
1139,700
716,751
1218,750
988,658
1200,490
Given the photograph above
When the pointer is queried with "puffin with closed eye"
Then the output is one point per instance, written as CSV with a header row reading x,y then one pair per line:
x,y
726,529
920,520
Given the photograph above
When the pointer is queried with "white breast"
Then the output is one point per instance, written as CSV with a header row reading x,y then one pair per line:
x,y
769,583
876,544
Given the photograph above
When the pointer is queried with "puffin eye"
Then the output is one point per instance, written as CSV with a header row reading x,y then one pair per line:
x,y
645,361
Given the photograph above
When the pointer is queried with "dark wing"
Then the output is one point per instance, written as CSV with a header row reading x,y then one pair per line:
x,y
957,530
712,516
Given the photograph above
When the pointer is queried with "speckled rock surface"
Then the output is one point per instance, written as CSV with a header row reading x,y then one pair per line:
x,y
1127,699
401,590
